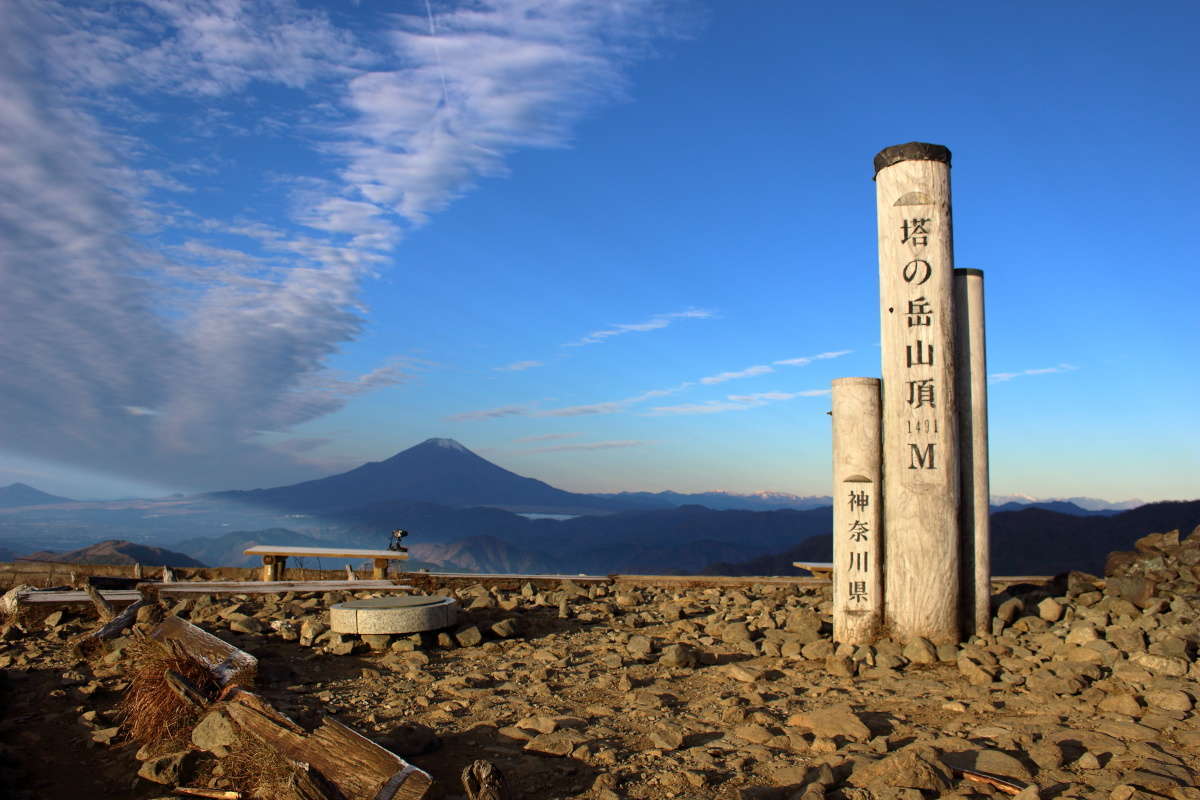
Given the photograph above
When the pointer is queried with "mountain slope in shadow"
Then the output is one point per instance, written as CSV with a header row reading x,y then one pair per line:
x,y
439,471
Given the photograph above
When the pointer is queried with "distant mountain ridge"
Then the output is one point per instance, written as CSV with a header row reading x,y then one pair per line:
x,y
1084,503
16,495
1031,541
724,501
117,551
1059,506
439,471
459,508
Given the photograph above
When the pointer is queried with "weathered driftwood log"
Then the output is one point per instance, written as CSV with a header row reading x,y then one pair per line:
x,y
184,689
104,609
120,622
308,784
356,766
228,664
217,794
483,780
1004,784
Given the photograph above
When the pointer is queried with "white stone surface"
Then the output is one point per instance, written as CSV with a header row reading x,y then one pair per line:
x,y
857,510
970,336
410,614
920,420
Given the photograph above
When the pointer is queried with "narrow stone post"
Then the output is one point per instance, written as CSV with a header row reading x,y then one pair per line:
x,y
857,511
920,421
975,500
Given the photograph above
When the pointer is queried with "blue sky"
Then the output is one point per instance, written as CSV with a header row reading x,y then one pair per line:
x,y
609,245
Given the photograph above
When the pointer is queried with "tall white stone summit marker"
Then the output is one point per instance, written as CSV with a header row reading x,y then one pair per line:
x,y
919,408
910,451
857,511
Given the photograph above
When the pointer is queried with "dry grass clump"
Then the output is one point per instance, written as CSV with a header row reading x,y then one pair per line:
x,y
151,708
257,770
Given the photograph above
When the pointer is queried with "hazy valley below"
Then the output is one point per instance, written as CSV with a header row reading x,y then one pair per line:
x,y
467,514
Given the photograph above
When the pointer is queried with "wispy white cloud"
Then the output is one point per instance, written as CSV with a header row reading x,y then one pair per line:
x,y
475,83
302,444
205,48
804,361
491,413
765,369
546,437
561,448
584,410
766,396
748,372
733,402
518,366
656,322
365,223
654,393
167,361
1000,377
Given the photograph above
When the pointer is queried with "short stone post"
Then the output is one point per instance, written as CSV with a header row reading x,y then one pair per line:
x,y
857,511
975,499
920,420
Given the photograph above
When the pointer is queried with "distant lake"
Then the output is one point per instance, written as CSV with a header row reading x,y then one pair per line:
x,y
559,517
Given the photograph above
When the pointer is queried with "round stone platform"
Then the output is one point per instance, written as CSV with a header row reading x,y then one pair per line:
x,y
406,614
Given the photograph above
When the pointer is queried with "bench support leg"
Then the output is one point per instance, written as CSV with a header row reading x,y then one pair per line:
x,y
273,567
380,571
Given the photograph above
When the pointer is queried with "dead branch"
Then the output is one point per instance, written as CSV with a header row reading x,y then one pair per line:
x,y
483,780
217,794
1006,785
104,608
184,689
120,622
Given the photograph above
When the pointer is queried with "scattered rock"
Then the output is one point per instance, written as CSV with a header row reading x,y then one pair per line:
x,y
468,636
639,646
831,722
744,673
558,743
921,651
666,736
215,733
1050,610
505,628
244,623
913,767
168,769
678,655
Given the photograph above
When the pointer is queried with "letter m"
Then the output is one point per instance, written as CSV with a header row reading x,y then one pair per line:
x,y
921,459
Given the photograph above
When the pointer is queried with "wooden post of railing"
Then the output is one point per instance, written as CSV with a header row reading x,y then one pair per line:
x,y
975,604
920,421
857,511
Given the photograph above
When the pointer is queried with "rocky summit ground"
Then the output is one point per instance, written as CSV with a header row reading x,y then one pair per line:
x,y
1086,688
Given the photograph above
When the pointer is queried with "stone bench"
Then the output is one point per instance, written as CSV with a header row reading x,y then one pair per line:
x,y
275,558
819,569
